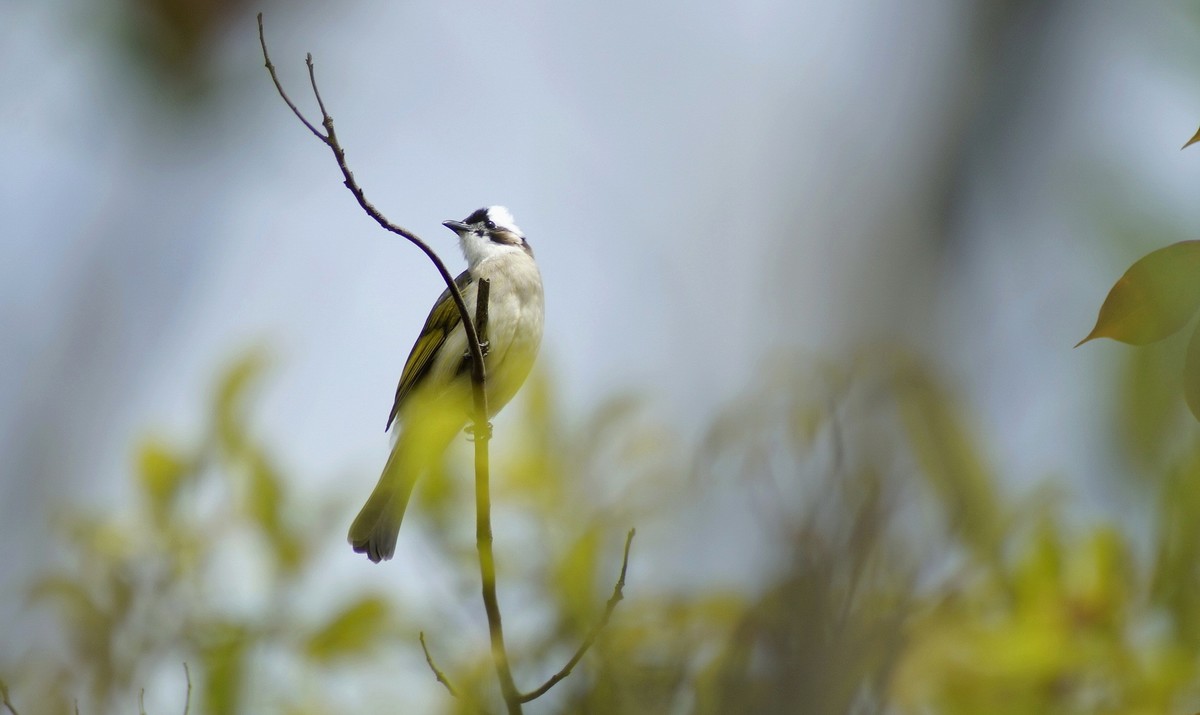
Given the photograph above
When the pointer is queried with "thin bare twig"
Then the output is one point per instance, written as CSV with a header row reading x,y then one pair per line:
x,y
329,139
437,672
617,595
279,87
4,699
326,120
187,702
482,428
142,702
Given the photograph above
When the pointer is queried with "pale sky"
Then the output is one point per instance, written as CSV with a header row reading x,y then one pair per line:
x,y
706,186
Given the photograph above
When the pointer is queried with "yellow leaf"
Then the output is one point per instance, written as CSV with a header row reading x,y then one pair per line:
x,y
1155,297
1191,373
160,471
1195,138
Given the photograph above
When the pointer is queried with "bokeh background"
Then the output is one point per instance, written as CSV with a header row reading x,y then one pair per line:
x,y
813,274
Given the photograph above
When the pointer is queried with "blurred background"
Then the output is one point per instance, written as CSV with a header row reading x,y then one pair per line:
x,y
813,273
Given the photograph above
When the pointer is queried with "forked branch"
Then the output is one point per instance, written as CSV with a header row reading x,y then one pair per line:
x,y
617,594
330,139
475,328
482,429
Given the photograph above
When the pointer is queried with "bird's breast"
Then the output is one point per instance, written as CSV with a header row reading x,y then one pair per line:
x,y
516,315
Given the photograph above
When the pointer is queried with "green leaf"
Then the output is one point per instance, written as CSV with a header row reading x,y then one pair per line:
x,y
1191,373
351,632
1155,297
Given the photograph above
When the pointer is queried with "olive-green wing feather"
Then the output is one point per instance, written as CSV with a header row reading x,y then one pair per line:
x,y
441,321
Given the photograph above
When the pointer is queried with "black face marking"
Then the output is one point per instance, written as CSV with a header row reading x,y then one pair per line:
x,y
477,216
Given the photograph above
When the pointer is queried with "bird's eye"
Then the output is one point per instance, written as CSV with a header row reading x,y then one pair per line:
x,y
490,224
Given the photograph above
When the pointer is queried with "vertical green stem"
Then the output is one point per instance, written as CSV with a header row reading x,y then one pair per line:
x,y
483,512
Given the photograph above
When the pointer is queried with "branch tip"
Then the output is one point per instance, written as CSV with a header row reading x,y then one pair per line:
x,y
187,674
437,672
262,41
339,154
618,595
478,373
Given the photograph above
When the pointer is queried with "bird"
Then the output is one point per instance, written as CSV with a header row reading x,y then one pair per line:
x,y
434,400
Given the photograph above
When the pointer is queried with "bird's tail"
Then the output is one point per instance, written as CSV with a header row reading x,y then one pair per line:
x,y
419,446
377,525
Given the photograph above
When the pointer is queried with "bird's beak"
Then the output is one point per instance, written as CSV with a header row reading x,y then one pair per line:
x,y
456,226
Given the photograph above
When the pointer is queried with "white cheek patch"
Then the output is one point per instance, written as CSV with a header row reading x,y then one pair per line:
x,y
475,248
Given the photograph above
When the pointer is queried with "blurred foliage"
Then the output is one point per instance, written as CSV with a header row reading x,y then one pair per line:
x,y
897,575
174,45
148,588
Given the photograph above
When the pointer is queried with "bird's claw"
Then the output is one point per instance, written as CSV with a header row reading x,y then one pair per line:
x,y
472,434
483,350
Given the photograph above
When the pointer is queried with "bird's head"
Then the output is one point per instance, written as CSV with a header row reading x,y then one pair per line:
x,y
488,232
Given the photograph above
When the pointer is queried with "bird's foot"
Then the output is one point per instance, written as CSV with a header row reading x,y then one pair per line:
x,y
483,349
473,434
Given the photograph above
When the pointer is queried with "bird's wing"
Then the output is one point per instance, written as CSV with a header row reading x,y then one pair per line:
x,y
441,321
